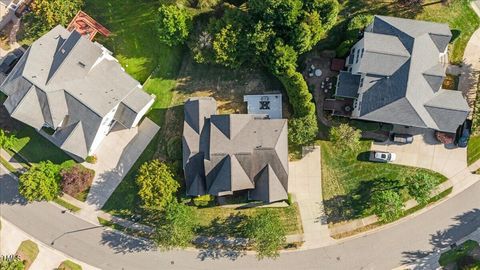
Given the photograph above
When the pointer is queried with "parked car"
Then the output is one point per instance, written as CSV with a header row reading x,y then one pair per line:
x,y
402,138
379,156
464,134
8,62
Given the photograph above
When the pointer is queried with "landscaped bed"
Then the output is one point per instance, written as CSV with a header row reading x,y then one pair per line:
x,y
464,256
348,181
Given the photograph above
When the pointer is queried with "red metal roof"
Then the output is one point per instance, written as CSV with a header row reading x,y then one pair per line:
x,y
87,26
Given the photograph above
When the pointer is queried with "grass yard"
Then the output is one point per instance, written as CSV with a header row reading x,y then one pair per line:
x,y
213,220
35,148
459,15
348,179
473,149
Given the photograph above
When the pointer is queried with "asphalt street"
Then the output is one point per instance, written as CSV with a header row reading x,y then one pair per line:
x,y
403,243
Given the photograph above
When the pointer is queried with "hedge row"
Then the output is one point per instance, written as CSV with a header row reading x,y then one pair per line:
x,y
303,128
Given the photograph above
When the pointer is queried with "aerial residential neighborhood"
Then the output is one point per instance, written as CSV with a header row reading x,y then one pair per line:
x,y
239,134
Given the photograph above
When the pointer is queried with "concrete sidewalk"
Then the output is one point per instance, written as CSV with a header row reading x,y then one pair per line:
x,y
47,259
306,183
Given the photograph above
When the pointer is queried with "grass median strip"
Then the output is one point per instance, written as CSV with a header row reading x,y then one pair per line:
x,y
69,265
67,205
27,252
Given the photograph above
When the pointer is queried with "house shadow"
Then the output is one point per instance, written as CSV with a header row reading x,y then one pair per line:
x,y
9,194
123,243
466,223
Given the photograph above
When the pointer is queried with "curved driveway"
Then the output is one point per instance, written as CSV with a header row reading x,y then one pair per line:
x,y
403,243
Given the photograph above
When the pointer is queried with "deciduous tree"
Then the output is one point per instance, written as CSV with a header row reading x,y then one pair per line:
x,y
174,24
175,226
266,232
387,204
40,182
420,186
345,137
7,141
157,186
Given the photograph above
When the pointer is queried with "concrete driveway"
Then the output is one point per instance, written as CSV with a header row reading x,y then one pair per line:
x,y
427,152
116,155
305,181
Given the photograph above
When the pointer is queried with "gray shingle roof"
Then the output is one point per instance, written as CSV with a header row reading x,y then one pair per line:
x,y
403,73
227,152
348,84
71,76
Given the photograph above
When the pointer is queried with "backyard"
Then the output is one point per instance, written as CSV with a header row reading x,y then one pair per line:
x,y
347,181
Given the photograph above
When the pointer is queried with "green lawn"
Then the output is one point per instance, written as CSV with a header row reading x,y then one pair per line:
x,y
473,149
209,215
456,254
35,148
458,15
348,181
66,205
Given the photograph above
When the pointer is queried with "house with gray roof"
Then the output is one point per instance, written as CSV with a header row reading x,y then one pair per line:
x,y
228,154
395,75
75,87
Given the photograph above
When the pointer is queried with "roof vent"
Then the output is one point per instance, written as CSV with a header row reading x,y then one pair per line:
x,y
81,64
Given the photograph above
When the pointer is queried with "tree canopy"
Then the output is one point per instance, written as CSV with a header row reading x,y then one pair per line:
x,y
156,184
387,204
173,24
345,137
267,234
47,14
7,141
40,182
420,186
175,226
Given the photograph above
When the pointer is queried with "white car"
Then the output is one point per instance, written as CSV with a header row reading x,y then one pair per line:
x,y
384,156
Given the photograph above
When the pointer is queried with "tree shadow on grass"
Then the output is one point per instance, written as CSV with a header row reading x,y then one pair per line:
x,y
356,203
466,223
222,238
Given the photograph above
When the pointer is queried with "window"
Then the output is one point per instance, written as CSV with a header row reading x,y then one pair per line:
x,y
361,54
361,82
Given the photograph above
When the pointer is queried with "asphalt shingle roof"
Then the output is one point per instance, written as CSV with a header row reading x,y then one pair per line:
x,y
225,153
403,74
71,76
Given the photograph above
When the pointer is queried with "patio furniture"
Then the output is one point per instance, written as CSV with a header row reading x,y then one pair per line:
x,y
318,73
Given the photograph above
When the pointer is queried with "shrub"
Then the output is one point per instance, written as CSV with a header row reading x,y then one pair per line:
x,y
91,159
76,179
11,263
174,148
203,201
